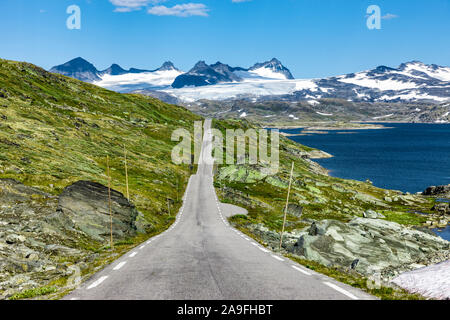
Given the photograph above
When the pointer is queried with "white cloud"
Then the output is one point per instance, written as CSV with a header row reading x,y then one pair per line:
x,y
132,5
180,10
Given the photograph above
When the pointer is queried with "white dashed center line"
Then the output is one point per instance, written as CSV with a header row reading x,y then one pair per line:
x,y
339,289
120,265
98,282
132,254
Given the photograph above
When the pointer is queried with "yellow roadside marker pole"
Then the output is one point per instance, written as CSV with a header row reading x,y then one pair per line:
x,y
287,203
109,202
126,172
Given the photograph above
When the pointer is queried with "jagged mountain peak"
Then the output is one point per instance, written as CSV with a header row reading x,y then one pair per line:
x,y
200,65
382,69
167,66
78,68
203,74
275,66
218,64
270,63
114,70
78,63
78,60
410,64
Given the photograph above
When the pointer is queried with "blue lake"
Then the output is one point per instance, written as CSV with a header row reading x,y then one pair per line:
x,y
444,233
406,157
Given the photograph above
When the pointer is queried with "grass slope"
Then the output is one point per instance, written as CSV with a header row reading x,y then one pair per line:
x,y
55,130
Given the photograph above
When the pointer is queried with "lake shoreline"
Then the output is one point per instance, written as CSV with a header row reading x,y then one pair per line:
x,y
409,157
365,125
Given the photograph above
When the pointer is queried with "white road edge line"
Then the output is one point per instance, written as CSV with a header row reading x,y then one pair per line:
x,y
301,270
120,265
132,254
263,249
98,282
339,289
277,257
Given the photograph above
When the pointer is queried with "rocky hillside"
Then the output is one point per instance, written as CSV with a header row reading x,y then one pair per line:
x,y
55,133
52,242
83,70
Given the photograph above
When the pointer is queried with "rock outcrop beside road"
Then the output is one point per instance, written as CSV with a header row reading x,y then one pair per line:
x,y
369,246
85,203
378,246
45,237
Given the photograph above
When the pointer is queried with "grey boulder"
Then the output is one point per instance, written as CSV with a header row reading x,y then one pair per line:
x,y
86,204
378,245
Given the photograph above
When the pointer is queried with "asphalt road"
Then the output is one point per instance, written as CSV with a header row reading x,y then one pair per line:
x,y
202,257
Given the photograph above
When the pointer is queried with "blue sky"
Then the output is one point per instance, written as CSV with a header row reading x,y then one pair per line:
x,y
313,38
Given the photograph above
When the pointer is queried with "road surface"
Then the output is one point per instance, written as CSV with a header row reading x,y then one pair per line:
x,y
202,258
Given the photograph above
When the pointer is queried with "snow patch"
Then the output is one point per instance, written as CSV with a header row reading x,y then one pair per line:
x,y
363,80
158,79
382,117
432,281
324,114
440,73
267,73
412,96
248,88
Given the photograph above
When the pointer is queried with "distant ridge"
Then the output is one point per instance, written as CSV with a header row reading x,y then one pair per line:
x,y
83,70
412,81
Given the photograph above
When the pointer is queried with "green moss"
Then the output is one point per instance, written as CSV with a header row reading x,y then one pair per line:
x,y
406,218
31,293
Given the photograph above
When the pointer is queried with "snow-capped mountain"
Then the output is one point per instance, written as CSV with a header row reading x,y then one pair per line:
x,y
272,69
206,75
118,79
410,82
135,79
203,75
